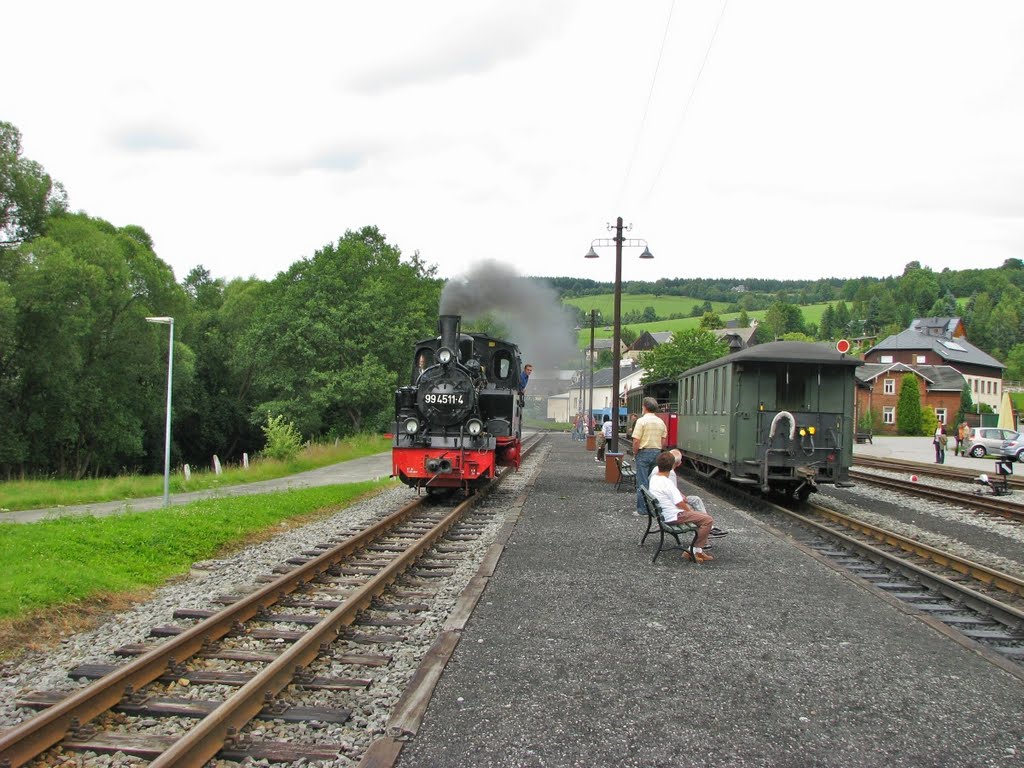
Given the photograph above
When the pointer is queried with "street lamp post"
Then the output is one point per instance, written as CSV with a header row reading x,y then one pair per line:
x,y
168,321
593,315
618,241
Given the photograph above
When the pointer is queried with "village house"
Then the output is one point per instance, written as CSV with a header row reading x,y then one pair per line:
x,y
937,351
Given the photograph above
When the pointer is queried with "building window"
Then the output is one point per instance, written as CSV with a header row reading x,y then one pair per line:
x,y
975,385
940,414
920,359
886,358
890,386
888,414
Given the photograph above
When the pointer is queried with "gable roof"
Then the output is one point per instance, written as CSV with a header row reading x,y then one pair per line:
x,y
952,351
938,326
944,378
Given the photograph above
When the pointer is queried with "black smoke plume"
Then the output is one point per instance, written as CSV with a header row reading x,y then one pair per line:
x,y
528,308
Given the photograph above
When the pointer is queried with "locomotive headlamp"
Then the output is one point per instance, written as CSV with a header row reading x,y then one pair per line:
x,y
803,432
810,430
474,427
444,355
412,426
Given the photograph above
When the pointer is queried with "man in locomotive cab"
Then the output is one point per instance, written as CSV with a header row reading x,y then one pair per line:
x,y
524,377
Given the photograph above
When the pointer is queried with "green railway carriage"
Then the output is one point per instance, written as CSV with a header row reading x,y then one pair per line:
x,y
776,415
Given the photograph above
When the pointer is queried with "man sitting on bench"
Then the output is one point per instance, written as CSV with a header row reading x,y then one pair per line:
x,y
674,507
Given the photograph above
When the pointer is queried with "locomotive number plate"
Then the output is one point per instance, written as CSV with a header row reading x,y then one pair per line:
x,y
444,399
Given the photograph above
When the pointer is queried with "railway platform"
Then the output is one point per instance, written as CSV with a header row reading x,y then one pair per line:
x,y
581,652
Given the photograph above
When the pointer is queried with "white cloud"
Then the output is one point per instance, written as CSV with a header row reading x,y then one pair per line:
x,y
821,139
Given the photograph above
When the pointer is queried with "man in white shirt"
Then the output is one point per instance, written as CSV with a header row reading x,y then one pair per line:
x,y
674,507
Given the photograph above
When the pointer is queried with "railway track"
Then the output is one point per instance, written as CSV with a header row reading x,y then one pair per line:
x,y
1003,506
972,603
945,471
220,670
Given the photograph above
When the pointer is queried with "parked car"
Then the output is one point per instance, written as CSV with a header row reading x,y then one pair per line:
x,y
1013,449
995,441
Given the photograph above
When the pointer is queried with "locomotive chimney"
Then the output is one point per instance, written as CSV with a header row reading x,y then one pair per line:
x,y
448,325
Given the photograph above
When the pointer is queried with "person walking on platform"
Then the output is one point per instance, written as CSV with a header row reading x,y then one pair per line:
x,y
674,507
962,433
603,436
941,441
648,439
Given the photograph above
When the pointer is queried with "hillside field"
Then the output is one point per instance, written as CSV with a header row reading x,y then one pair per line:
x,y
663,307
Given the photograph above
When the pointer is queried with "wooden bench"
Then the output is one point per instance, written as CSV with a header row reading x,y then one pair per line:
x,y
627,474
656,522
862,437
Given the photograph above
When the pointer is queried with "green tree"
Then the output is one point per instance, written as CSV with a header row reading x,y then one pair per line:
x,y
828,329
85,384
334,332
28,196
710,321
966,403
1014,364
908,406
687,349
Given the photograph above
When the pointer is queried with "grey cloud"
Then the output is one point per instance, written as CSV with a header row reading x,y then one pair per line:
x,y
471,50
146,138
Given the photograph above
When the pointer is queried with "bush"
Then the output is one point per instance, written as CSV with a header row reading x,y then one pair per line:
x,y
283,439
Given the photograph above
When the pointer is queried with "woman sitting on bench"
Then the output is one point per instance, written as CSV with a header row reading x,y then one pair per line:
x,y
674,508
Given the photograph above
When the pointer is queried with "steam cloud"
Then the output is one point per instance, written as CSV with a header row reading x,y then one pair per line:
x,y
530,310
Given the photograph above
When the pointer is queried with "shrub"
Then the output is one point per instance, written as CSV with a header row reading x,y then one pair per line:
x,y
283,439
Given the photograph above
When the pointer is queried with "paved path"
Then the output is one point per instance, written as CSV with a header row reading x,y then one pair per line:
x,y
356,470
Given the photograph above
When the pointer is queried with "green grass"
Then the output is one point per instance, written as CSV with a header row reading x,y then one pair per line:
x,y
638,302
665,306
60,562
41,494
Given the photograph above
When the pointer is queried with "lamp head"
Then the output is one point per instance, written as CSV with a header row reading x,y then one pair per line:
x,y
591,254
160,320
647,253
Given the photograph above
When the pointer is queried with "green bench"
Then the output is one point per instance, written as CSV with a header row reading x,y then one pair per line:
x,y
656,522
627,474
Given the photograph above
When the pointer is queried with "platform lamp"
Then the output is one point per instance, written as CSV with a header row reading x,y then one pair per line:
x,y
168,321
593,316
618,241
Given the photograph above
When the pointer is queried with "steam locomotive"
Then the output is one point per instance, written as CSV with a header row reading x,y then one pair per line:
x,y
460,417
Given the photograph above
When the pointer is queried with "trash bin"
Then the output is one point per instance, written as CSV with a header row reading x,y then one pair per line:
x,y
611,467
591,442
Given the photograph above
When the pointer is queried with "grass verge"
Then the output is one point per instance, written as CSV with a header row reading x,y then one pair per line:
x,y
60,574
42,494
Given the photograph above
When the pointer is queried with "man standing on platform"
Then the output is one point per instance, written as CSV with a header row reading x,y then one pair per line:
x,y
648,439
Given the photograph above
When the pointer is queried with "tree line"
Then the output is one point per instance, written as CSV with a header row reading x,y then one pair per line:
x,y
83,376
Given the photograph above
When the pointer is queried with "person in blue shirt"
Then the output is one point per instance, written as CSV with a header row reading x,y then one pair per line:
x,y
524,377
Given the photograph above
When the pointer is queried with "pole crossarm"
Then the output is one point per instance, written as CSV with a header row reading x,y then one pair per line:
x,y
627,242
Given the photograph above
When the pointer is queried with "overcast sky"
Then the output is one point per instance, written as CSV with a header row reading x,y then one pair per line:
x,y
741,138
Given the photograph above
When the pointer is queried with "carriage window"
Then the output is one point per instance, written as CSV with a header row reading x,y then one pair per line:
x,y
715,395
790,388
